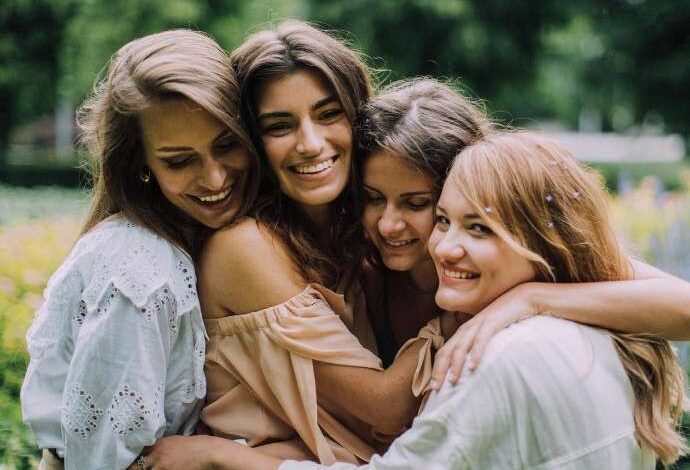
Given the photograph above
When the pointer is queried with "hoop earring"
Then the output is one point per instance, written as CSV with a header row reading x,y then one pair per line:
x,y
145,176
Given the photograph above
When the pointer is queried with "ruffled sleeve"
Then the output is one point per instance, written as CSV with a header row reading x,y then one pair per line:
x,y
270,355
123,368
433,340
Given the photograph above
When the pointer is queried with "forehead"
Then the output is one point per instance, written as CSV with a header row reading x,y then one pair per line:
x,y
175,119
384,169
452,200
299,89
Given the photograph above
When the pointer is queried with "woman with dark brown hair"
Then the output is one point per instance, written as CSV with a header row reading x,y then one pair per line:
x,y
117,348
284,341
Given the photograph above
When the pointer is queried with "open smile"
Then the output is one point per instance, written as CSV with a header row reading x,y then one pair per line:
x,y
399,243
215,198
460,274
314,168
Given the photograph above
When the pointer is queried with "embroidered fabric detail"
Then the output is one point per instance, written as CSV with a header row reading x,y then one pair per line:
x,y
80,415
199,357
80,314
53,317
139,267
127,412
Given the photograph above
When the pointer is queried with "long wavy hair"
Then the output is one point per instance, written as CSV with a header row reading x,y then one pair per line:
x,y
552,210
168,65
422,121
269,55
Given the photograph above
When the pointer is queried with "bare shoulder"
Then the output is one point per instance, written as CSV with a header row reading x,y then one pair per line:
x,y
246,267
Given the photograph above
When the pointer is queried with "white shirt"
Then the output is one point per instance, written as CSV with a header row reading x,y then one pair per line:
x,y
117,349
549,394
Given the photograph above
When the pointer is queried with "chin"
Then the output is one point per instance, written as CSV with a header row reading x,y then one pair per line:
x,y
453,302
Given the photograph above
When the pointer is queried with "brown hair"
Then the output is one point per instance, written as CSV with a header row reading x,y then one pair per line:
x,y
269,55
422,121
552,211
168,65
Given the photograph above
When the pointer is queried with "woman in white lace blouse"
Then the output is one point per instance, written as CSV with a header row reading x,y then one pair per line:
x,y
117,349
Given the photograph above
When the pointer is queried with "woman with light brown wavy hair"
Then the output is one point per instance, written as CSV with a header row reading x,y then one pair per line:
x,y
117,347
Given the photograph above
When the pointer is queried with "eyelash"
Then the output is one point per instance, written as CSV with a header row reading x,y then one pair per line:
x,y
480,229
173,165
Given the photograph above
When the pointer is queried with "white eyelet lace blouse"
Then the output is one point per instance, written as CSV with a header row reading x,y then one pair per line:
x,y
117,349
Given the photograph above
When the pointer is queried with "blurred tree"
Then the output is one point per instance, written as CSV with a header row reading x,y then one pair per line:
x,y
644,70
493,46
32,36
92,35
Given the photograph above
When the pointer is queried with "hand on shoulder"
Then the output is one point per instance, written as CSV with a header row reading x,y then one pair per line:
x,y
245,267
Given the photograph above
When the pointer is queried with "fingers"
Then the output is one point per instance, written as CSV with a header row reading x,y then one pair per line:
x,y
441,364
462,349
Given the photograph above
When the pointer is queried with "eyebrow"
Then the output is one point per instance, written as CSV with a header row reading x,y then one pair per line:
x,y
221,135
278,114
465,217
409,194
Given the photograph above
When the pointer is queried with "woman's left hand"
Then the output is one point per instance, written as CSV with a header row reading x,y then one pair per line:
x,y
471,338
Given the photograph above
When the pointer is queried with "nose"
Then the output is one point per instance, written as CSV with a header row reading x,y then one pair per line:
x,y
214,174
310,140
390,222
450,248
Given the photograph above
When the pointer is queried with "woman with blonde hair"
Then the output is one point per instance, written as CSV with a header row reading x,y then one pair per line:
x,y
117,349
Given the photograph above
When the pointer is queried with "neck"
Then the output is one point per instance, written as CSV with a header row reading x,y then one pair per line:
x,y
321,216
424,277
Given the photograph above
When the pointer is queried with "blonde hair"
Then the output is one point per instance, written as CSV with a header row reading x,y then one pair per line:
x,y
272,54
168,65
534,195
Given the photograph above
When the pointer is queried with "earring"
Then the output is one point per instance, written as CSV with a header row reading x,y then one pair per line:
x,y
145,176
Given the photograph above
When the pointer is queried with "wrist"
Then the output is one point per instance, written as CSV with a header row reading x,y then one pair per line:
x,y
534,294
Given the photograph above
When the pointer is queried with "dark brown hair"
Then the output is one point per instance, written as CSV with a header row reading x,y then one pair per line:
x,y
269,55
168,65
423,122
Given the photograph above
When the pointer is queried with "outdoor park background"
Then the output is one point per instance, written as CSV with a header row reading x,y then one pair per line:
x,y
618,67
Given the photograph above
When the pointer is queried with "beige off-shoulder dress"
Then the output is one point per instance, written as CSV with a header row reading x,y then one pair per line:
x,y
260,374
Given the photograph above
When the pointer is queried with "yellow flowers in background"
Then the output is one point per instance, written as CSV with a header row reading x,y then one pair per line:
x,y
39,226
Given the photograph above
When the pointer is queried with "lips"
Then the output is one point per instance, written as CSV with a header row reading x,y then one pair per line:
x,y
398,243
214,198
314,168
456,273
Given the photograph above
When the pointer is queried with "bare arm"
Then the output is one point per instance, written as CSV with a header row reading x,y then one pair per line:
x,y
245,269
653,302
206,453
383,400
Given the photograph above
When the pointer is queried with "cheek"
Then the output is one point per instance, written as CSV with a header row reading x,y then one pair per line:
x,y
274,150
433,242
370,218
424,223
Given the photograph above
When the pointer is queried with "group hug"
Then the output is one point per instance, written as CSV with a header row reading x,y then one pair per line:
x,y
286,267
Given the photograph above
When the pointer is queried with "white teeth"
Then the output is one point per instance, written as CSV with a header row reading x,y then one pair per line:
x,y
398,243
460,274
216,197
317,168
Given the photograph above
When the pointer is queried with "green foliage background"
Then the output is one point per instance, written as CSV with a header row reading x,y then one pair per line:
x,y
628,60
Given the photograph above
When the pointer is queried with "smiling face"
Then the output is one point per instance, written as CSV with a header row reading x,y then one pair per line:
x,y
306,136
398,212
474,265
197,162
